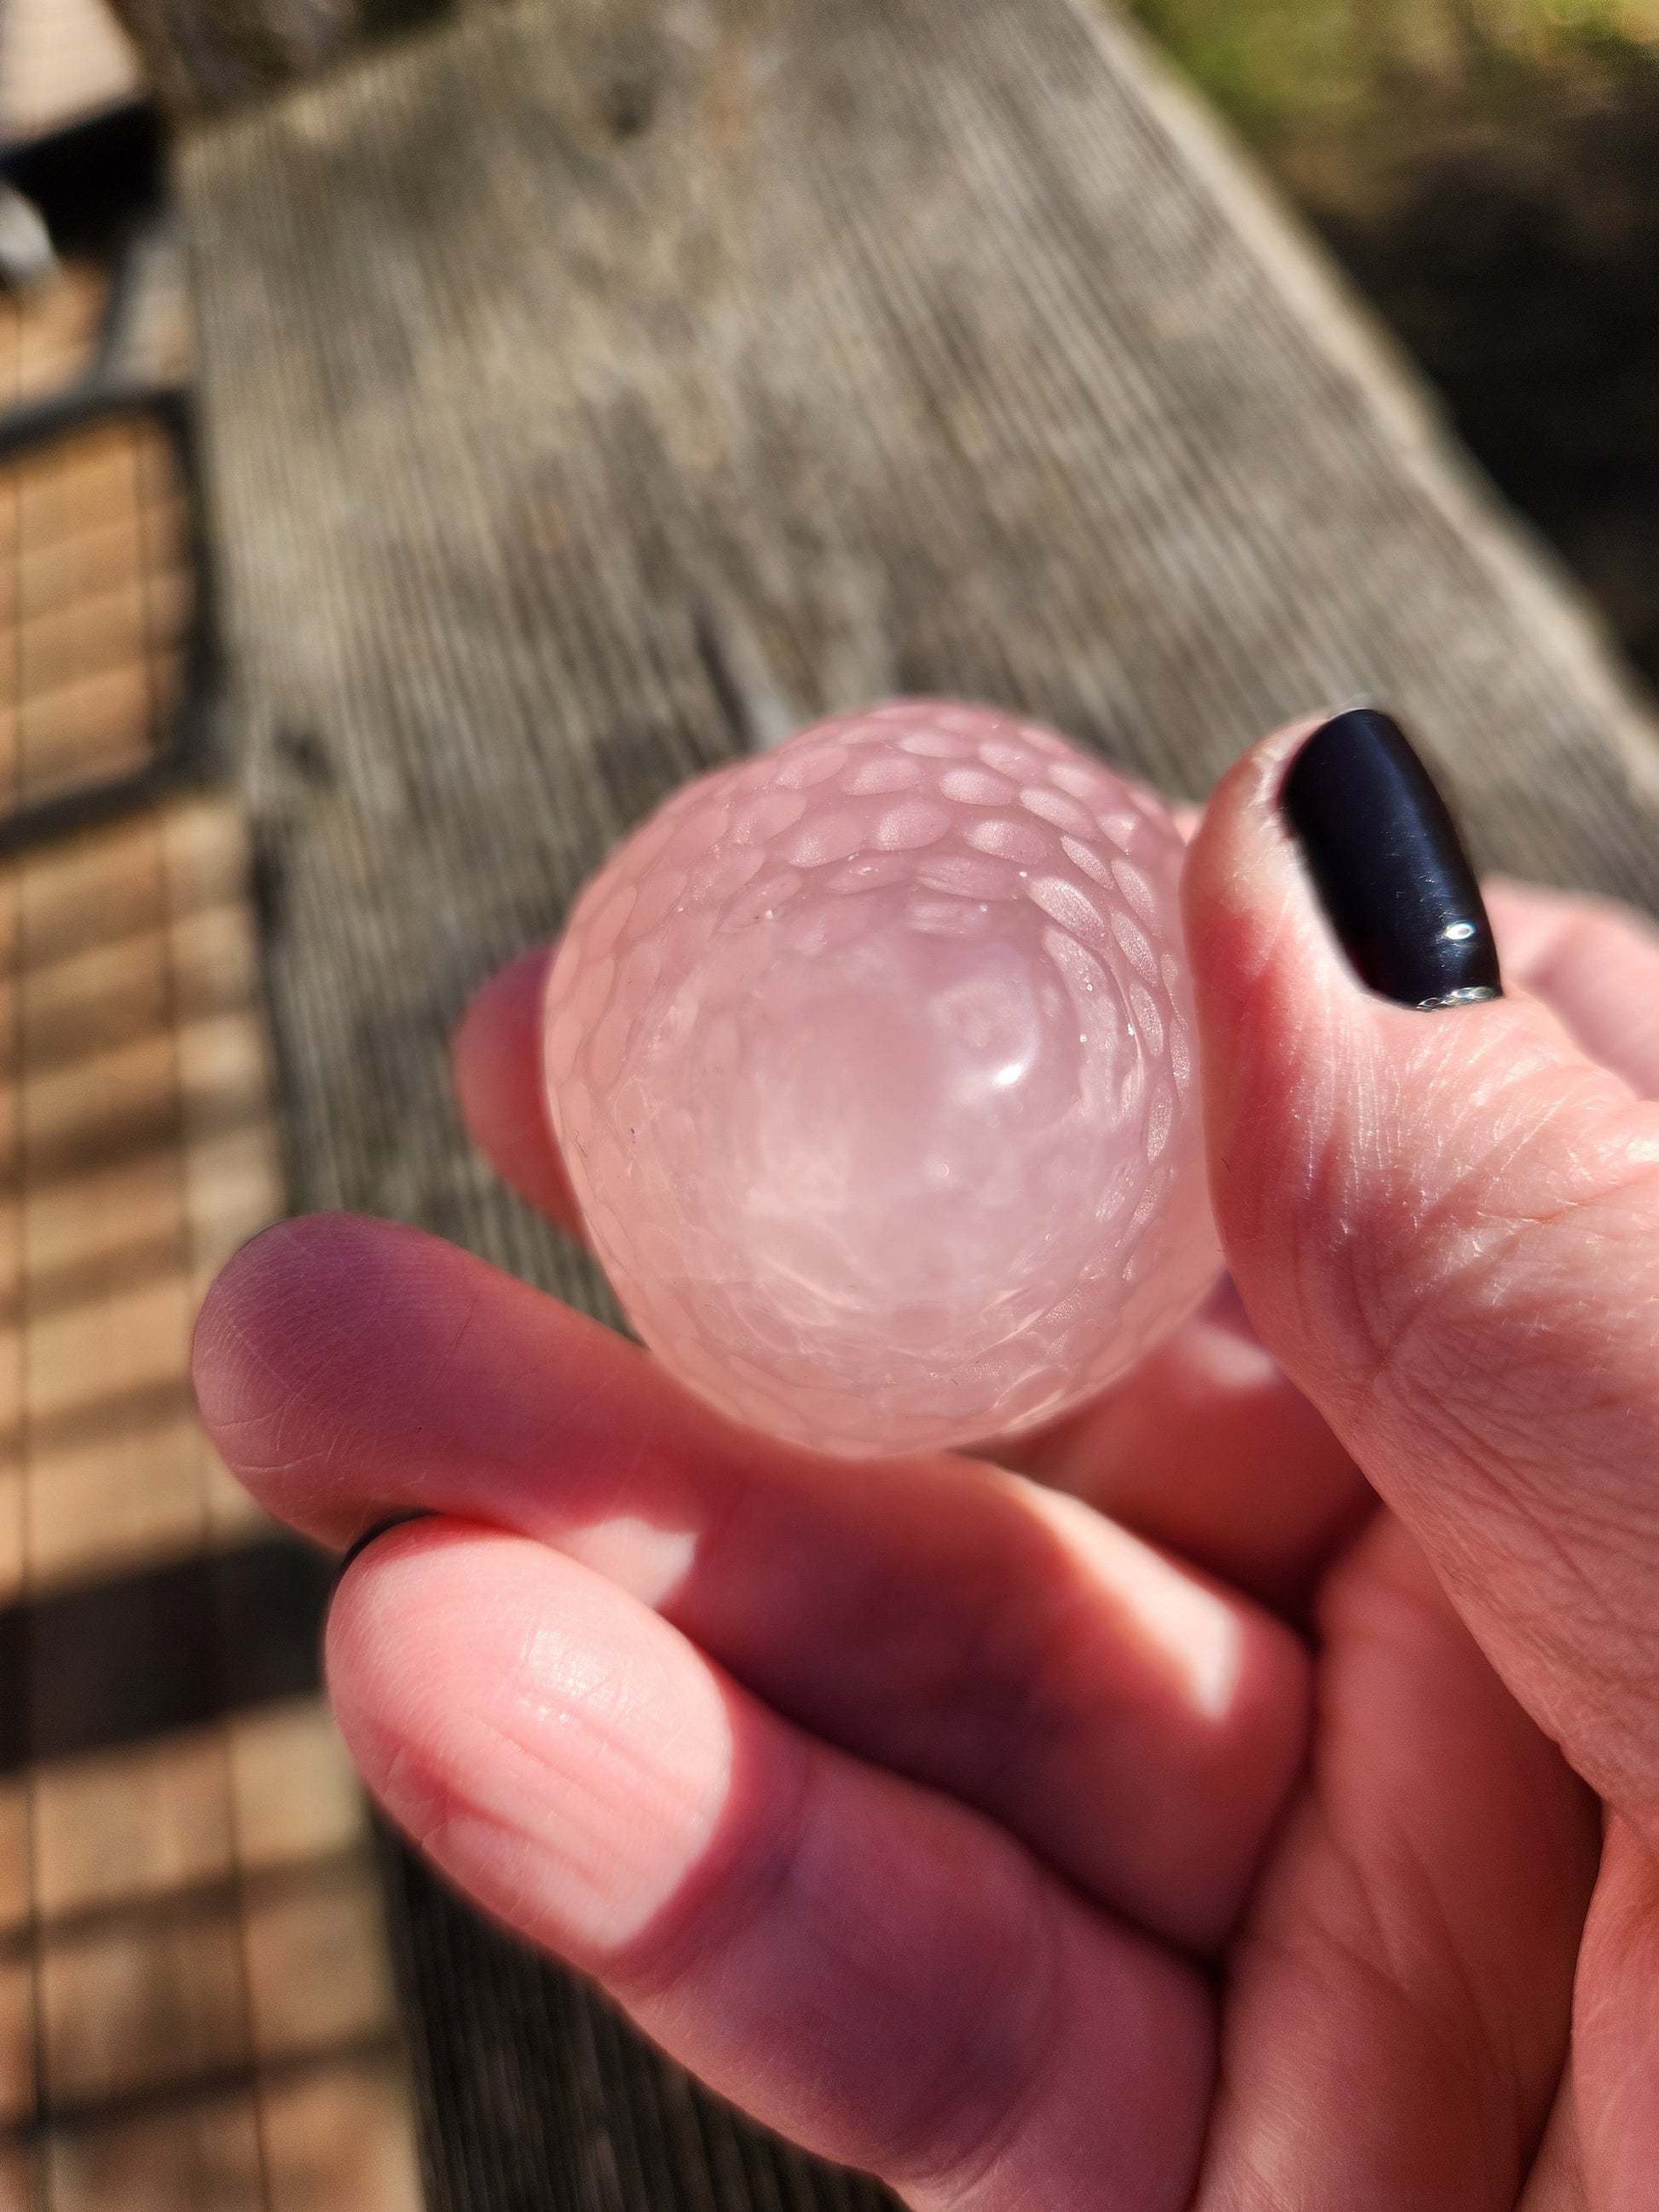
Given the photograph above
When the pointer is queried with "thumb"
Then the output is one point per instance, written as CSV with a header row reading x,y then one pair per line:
x,y
1443,1219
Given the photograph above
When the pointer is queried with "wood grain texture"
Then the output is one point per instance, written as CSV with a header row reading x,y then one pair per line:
x,y
591,390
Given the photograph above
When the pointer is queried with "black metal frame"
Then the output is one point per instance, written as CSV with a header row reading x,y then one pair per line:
x,y
186,753
51,170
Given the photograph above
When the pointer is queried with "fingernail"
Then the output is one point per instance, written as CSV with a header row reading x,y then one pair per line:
x,y
356,1549
1387,863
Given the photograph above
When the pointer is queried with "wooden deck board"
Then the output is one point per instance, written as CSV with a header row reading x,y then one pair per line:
x,y
96,598
194,2011
592,392
191,1955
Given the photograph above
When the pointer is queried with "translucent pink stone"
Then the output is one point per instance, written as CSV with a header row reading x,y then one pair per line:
x,y
871,1062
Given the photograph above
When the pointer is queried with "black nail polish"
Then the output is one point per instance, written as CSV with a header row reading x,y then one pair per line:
x,y
1385,855
359,1545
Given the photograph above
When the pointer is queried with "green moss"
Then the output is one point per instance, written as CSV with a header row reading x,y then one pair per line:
x,y
1265,62
1485,169
1291,70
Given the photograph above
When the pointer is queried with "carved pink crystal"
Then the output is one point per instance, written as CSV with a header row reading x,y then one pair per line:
x,y
870,1060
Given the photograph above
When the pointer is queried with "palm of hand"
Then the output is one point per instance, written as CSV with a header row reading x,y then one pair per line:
x,y
942,1823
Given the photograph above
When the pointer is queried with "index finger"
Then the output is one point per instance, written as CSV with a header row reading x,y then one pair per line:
x,y
496,1060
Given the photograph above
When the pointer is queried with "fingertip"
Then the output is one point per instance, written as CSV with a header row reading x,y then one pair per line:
x,y
1240,833
1527,919
1336,1107
1242,812
214,1333
1593,963
1259,955
296,1325
266,1285
496,1056
1282,977
499,1021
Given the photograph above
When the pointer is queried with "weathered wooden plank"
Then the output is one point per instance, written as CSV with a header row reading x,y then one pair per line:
x,y
593,389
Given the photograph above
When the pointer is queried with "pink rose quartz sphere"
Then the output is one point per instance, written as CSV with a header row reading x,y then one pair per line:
x,y
871,1063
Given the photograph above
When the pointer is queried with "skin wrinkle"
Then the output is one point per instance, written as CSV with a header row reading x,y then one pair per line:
x,y
447,1358
1441,2029
225,1324
1564,1589
422,1811
732,1888
535,1703
1498,1165
1616,2115
1328,1953
1505,1401
460,1819
1413,1879
597,1832
1554,2160
1309,1190
1375,1947
1444,1283
1377,1888
1393,1390
956,2176
1546,1360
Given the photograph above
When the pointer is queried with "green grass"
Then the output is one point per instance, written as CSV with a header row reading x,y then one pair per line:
x,y
1486,171
1391,69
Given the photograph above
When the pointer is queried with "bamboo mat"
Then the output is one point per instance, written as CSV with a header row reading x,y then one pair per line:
x,y
95,605
46,338
195,2012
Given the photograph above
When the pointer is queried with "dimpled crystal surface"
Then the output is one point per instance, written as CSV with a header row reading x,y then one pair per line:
x,y
871,1063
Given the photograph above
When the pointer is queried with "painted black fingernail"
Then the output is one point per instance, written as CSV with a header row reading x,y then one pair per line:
x,y
1388,864
360,1544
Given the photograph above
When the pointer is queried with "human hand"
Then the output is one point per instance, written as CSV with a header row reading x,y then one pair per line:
x,y
956,1830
